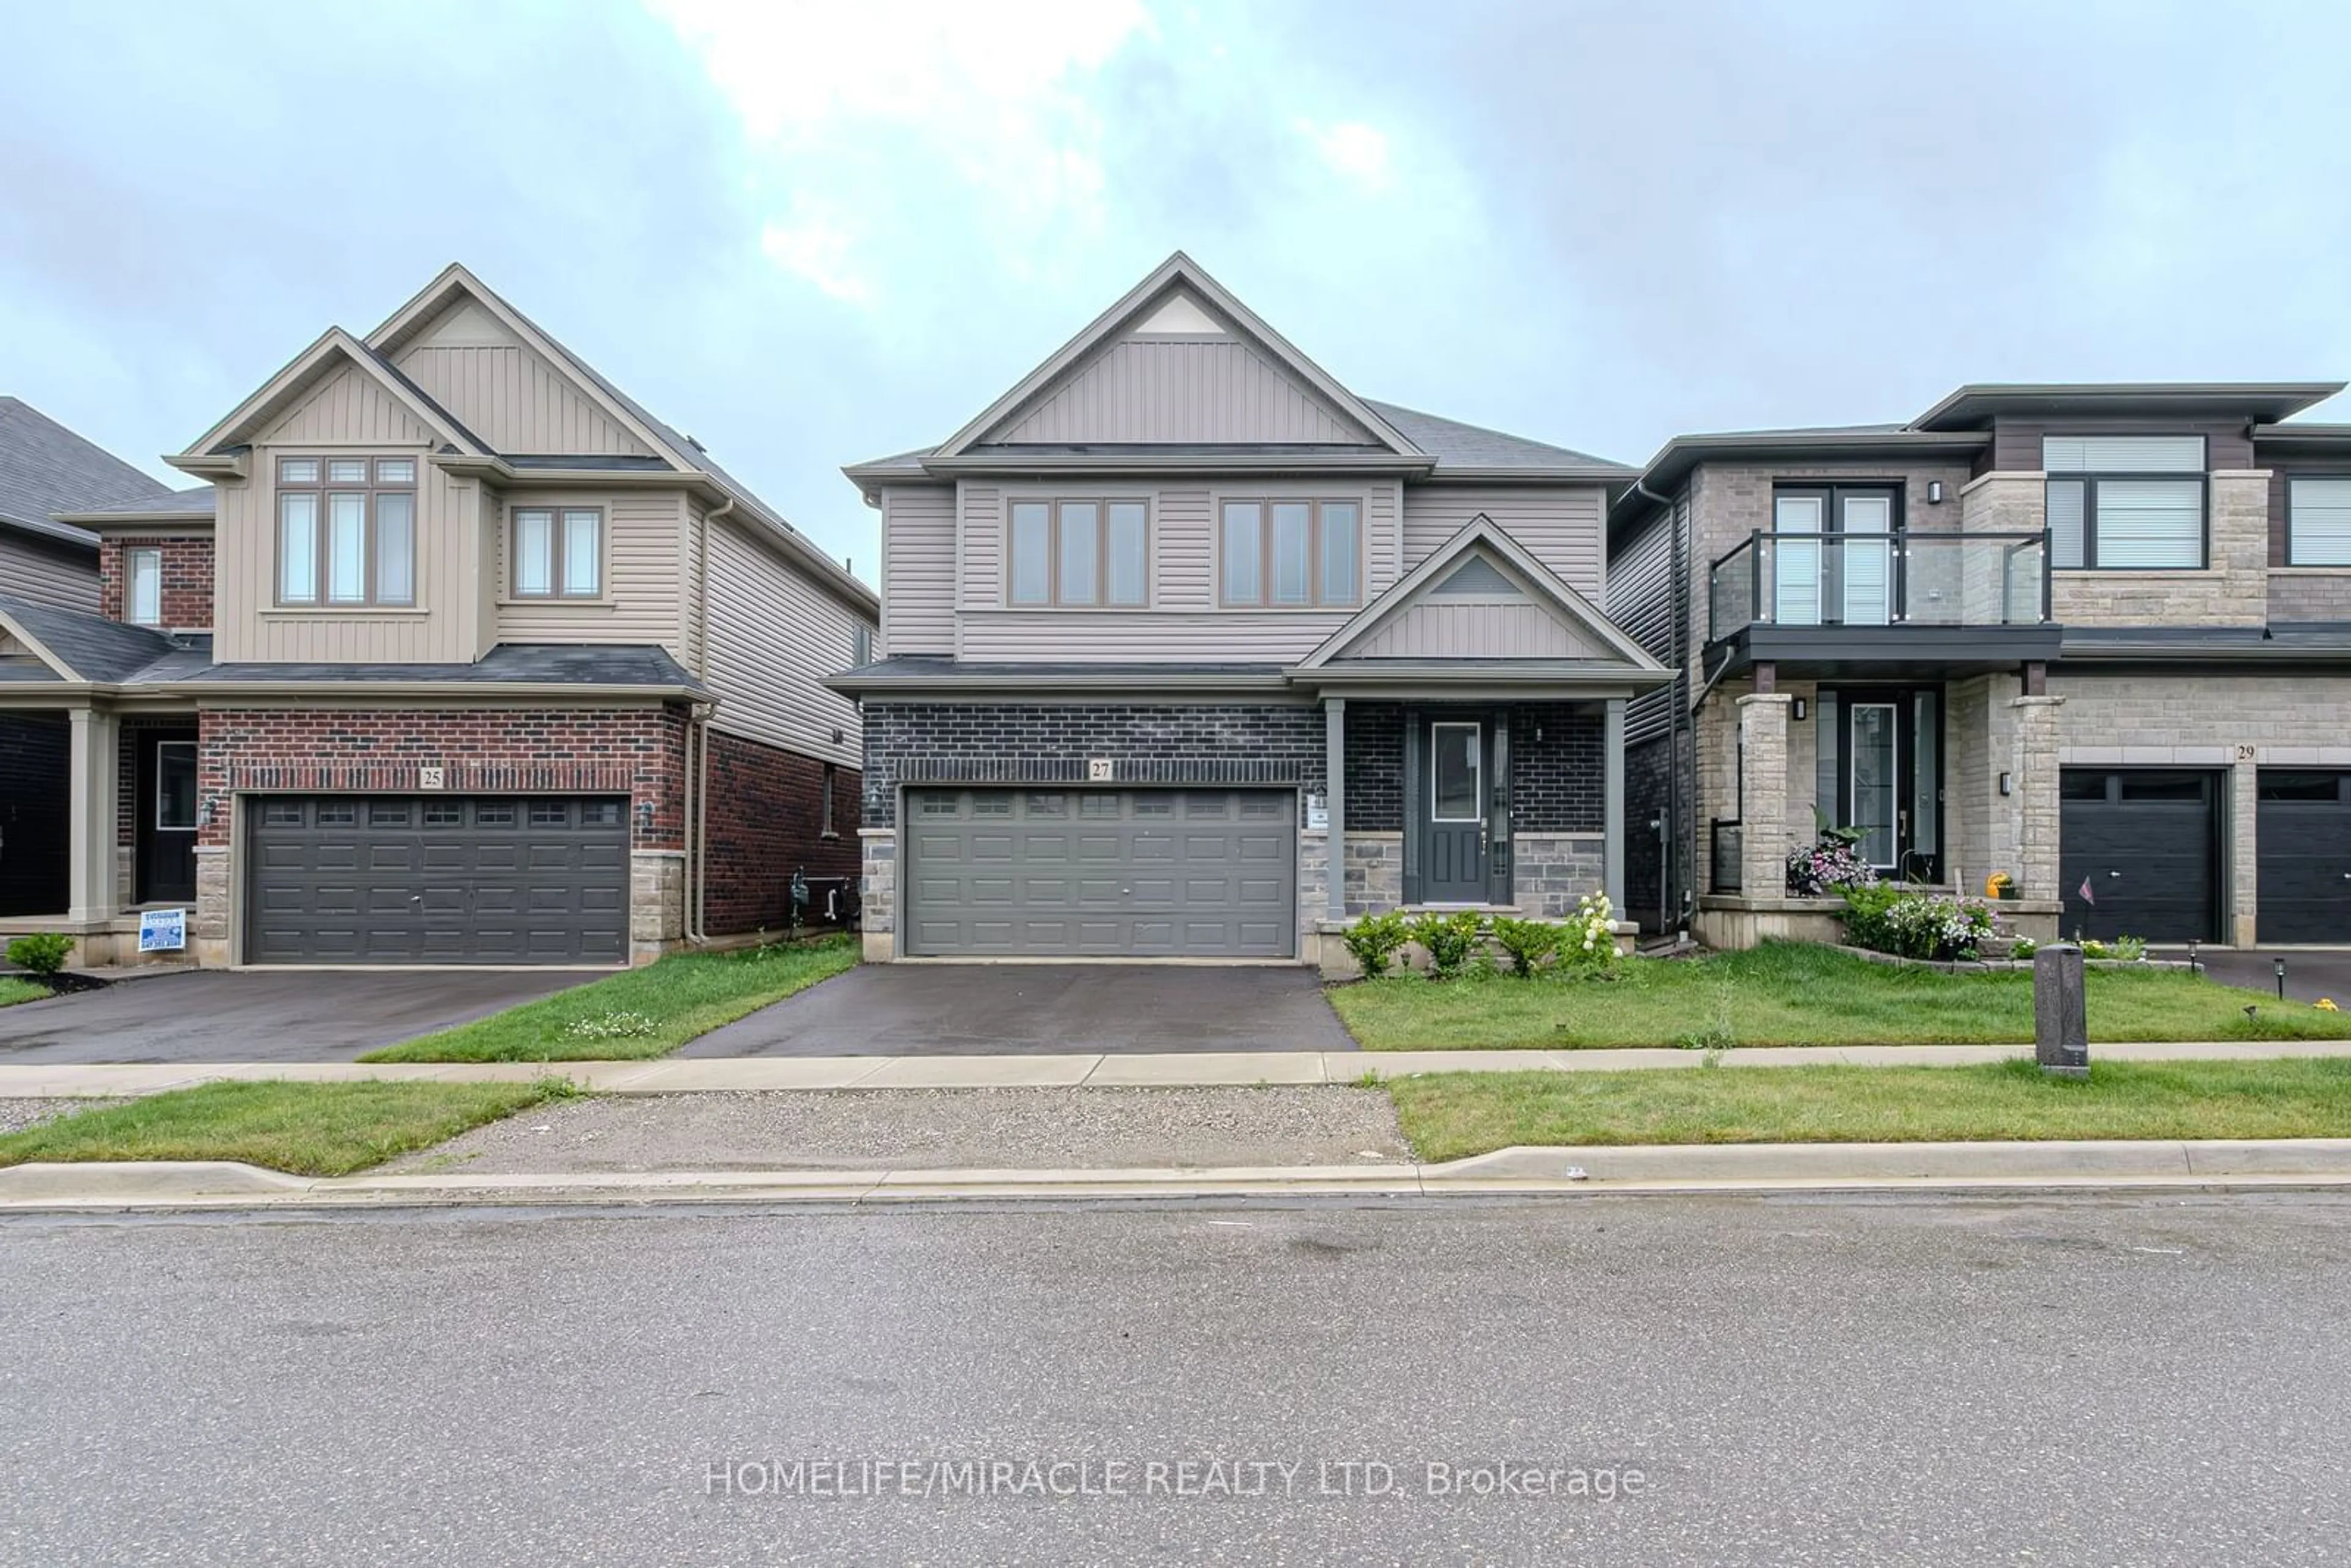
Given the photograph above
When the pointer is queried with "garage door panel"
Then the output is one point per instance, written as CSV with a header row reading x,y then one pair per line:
x,y
2147,845
2303,892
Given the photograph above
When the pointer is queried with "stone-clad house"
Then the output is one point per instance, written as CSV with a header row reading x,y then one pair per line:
x,y
457,655
1179,620
2090,636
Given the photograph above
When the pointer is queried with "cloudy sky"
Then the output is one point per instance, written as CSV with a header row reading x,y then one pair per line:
x,y
812,233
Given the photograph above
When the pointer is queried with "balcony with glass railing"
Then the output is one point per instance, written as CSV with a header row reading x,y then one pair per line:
x,y
1806,581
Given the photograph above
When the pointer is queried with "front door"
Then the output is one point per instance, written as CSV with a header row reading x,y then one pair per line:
x,y
1890,777
166,837
1453,830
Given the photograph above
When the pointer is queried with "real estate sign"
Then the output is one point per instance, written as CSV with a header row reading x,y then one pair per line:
x,y
162,930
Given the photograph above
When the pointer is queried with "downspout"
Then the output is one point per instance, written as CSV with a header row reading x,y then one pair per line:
x,y
1669,857
697,831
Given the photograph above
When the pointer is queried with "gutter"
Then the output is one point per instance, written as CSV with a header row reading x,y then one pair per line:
x,y
697,738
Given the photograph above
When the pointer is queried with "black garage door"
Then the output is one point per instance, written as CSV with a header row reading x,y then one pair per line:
x,y
1195,874
2304,860
407,879
2147,845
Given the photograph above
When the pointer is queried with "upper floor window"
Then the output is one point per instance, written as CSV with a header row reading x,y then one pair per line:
x,y
2125,501
1284,552
1079,552
559,552
346,530
143,589
2318,522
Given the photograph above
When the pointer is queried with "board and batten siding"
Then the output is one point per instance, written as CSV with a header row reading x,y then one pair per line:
x,y
1179,391
773,637
46,572
645,536
347,406
516,402
1476,628
1560,526
918,568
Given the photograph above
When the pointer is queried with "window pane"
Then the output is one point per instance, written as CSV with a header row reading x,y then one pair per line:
x,y
1342,539
2318,513
1796,563
347,548
1081,542
146,595
395,550
2065,522
1292,522
583,553
298,548
2122,453
2150,522
1033,553
1455,766
1243,541
297,470
395,470
175,784
534,533
347,471
1129,569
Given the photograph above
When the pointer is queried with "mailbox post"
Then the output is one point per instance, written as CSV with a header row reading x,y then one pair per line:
x,y
2061,1017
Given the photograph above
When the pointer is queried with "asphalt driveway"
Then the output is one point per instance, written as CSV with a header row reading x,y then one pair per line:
x,y
2310,972
219,1015
987,1009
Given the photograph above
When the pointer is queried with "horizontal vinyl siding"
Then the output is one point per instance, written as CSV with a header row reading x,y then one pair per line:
x,y
1640,601
516,402
918,568
1154,390
347,406
980,538
45,574
774,636
1559,526
645,538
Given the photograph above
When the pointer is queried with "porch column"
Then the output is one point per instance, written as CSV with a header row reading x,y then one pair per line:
x,y
2036,802
1334,733
1612,751
91,823
1764,839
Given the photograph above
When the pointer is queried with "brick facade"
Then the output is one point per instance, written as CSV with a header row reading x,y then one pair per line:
x,y
1374,768
187,576
1558,770
766,808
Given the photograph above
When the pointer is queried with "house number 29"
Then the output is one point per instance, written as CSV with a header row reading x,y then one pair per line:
x,y
2247,753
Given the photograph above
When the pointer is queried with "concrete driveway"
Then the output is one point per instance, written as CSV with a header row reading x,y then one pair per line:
x,y
2310,972
988,1010
218,1015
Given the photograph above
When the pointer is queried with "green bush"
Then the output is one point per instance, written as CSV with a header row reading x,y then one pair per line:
x,y
1865,912
2023,947
44,954
1530,942
1587,938
1916,924
1373,940
1448,939
2128,949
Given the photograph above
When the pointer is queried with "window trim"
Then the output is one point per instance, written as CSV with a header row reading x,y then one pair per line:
x,y
1102,501
2089,480
2293,478
195,801
370,489
133,556
556,511
826,830
1266,500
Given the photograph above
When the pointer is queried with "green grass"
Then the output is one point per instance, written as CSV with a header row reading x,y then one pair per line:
x,y
14,991
308,1129
667,1003
1792,993
1451,1115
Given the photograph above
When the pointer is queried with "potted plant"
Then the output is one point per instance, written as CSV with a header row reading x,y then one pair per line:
x,y
1999,885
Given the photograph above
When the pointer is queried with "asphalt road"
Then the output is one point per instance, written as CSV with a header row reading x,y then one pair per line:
x,y
2143,1380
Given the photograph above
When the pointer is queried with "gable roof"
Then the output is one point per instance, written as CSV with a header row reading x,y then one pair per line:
x,y
46,469
331,348
81,646
169,507
1469,449
1480,536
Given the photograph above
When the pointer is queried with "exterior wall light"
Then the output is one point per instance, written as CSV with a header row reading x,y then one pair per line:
x,y
644,816
1799,710
1934,492
2008,784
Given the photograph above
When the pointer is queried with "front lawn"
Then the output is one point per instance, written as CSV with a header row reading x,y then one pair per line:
x,y
644,1012
307,1128
14,991
1793,993
1452,1116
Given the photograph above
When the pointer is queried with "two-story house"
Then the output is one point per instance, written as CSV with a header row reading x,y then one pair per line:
x,y
1189,650
2097,637
458,656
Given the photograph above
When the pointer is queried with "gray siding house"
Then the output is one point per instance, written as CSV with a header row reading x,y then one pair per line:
x,y
1189,650
2096,637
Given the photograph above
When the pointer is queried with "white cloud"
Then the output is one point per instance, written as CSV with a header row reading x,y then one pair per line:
x,y
816,248
1353,149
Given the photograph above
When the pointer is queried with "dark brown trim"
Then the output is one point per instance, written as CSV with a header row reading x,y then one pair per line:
x,y
1055,506
370,489
1315,531
555,514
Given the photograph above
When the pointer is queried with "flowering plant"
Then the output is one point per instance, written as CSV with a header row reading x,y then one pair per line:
x,y
1832,863
1588,937
1916,924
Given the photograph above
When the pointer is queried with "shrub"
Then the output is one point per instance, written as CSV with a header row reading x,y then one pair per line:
x,y
44,954
1865,925
1916,924
2023,947
2125,949
1588,940
1374,940
1829,864
1528,942
1448,939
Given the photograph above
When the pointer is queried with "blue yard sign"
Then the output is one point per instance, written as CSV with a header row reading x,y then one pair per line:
x,y
162,930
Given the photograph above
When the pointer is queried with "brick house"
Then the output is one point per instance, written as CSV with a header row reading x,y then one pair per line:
x,y
459,656
2085,636
1188,651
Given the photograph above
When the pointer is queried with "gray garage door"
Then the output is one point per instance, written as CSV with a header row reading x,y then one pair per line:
x,y
1194,874
2148,845
2304,860
407,879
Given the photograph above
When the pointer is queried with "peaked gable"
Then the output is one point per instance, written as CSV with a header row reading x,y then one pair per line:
x,y
1179,361
337,389
513,397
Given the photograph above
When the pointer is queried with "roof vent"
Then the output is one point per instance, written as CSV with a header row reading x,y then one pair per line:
x,y
696,444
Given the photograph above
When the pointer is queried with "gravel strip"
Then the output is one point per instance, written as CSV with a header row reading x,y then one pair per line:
x,y
932,1129
15,1115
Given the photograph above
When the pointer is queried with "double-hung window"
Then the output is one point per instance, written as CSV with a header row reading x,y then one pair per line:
x,y
1281,552
2122,502
2318,521
1079,552
559,552
142,586
346,531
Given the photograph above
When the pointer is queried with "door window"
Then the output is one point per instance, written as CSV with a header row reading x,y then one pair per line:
x,y
1458,765
175,786
1873,783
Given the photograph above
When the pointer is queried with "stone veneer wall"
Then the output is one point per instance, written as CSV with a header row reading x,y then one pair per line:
x,y
2233,590
1551,871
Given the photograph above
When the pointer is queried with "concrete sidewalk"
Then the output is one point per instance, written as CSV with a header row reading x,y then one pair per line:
x,y
672,1075
1518,1172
